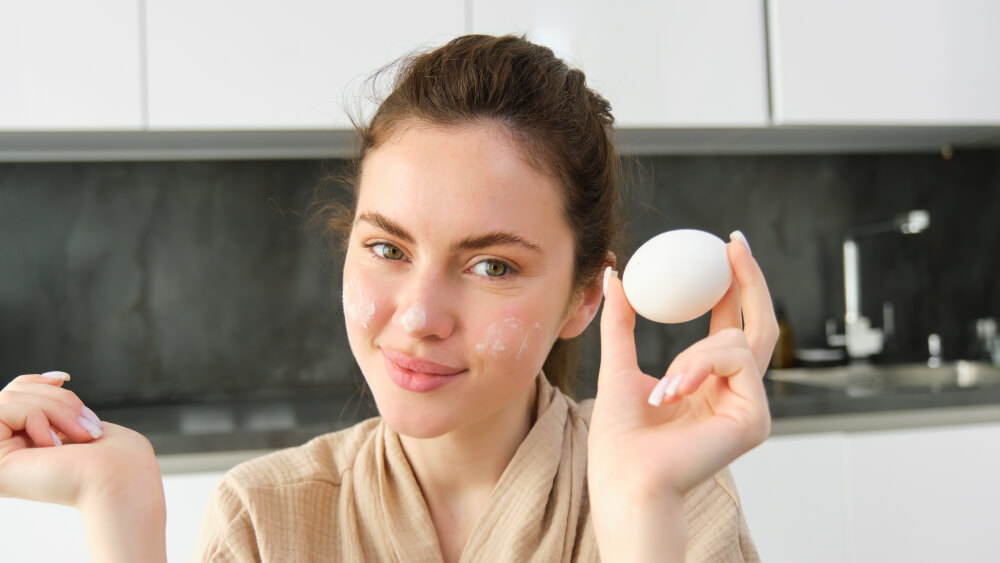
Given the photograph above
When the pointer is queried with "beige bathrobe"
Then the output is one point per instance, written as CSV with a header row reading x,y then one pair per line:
x,y
351,496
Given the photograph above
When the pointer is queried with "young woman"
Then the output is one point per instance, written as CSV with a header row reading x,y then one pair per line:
x,y
479,242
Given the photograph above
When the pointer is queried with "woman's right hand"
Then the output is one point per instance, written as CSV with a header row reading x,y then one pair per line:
x,y
51,450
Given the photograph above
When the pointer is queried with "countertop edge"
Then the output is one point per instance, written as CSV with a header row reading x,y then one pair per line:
x,y
880,421
851,423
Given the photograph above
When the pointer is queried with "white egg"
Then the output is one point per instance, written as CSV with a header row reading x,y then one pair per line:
x,y
677,276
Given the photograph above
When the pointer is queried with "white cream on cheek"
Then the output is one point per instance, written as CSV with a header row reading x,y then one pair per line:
x,y
414,318
357,306
508,337
524,341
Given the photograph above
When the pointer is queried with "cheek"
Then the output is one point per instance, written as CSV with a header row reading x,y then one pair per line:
x,y
362,302
359,309
509,339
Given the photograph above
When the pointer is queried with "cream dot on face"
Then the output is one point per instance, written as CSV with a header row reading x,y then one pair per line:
x,y
508,337
357,307
414,319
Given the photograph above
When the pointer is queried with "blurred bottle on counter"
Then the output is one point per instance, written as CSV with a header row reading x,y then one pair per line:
x,y
784,349
988,340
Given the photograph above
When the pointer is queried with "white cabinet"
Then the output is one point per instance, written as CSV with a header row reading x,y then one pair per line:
x,y
792,491
265,65
267,78
885,62
660,63
67,65
36,531
187,497
927,494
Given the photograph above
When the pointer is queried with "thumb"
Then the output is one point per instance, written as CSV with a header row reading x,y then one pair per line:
x,y
617,330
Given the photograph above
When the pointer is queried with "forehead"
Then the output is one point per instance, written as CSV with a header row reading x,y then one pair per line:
x,y
467,179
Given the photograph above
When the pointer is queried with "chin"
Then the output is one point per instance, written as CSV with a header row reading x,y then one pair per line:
x,y
417,423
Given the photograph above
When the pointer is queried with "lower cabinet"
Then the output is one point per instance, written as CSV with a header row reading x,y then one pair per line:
x,y
927,494
35,532
792,491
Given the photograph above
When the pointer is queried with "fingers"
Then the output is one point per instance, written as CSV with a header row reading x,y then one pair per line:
x,y
724,355
726,313
617,329
28,419
53,378
759,322
73,419
35,404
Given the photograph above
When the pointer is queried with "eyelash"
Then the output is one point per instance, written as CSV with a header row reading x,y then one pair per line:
x,y
509,269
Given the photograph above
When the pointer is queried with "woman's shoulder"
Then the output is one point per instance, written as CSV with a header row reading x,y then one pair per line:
x,y
322,460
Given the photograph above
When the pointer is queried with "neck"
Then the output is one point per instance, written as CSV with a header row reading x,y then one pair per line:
x,y
466,463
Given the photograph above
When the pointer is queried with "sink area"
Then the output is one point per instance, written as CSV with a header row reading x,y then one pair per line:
x,y
866,380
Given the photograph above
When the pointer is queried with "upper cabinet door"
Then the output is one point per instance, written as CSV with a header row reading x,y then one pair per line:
x,y
661,63
266,65
885,62
67,65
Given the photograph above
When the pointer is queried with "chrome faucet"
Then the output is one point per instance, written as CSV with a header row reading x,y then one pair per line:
x,y
860,338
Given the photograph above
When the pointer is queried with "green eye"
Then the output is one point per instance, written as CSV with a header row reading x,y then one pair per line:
x,y
388,251
491,268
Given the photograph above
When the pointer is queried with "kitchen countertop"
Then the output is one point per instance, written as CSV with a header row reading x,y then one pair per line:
x,y
262,425
797,400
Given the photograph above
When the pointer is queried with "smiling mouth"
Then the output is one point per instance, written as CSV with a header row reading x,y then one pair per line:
x,y
419,366
420,376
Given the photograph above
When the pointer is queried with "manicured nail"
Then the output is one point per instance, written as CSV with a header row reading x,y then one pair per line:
x,y
608,273
674,385
56,375
91,416
738,236
656,397
55,439
90,427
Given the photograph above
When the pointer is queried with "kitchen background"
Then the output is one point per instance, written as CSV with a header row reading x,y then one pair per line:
x,y
169,281
153,155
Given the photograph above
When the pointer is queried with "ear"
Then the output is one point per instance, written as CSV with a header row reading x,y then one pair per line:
x,y
585,306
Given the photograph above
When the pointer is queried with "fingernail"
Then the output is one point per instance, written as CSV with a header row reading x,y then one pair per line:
x,y
90,427
55,439
656,397
61,375
674,385
608,273
738,236
91,416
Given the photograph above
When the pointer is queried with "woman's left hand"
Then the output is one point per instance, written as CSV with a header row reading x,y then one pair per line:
x,y
647,457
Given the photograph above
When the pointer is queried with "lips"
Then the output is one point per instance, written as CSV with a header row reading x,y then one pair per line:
x,y
417,375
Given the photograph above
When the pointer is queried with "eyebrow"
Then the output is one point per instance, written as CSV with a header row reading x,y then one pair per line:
x,y
485,240
386,224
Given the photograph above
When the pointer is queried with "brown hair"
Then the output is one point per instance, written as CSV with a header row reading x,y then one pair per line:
x,y
563,128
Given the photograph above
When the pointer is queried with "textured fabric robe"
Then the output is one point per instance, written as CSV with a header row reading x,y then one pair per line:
x,y
352,496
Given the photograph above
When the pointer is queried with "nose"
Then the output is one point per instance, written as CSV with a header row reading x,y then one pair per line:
x,y
424,306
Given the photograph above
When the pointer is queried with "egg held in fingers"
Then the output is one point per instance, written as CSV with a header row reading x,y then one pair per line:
x,y
677,276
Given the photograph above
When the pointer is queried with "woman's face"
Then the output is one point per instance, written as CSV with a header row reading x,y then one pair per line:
x,y
458,277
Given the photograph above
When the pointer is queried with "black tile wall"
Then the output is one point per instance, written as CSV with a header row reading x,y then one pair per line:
x,y
166,281
171,281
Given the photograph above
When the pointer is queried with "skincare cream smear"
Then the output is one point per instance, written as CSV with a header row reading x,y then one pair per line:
x,y
357,307
524,342
414,319
503,335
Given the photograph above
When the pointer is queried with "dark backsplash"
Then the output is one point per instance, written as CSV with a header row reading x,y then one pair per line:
x,y
172,281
